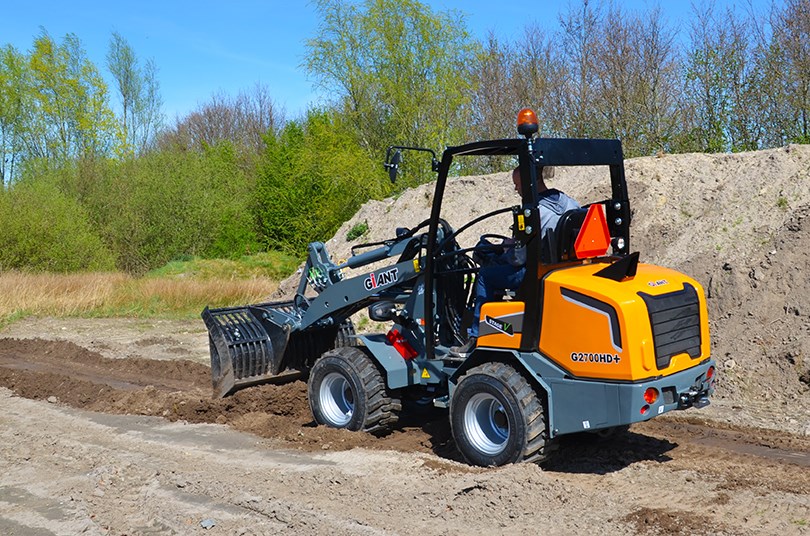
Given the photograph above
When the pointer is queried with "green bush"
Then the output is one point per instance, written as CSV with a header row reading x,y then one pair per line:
x,y
170,203
45,230
357,231
313,177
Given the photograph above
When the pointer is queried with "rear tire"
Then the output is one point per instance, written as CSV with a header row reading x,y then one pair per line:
x,y
347,390
497,417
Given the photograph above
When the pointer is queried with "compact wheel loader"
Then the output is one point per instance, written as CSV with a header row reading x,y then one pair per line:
x,y
591,340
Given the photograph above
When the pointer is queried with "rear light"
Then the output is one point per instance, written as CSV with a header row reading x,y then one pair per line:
x,y
397,340
651,395
710,373
645,409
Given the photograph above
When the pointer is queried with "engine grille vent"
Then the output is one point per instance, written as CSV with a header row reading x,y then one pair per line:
x,y
675,322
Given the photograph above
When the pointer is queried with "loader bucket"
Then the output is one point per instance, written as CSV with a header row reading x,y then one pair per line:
x,y
246,346
262,344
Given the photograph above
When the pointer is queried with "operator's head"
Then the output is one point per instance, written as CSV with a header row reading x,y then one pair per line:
x,y
541,185
516,180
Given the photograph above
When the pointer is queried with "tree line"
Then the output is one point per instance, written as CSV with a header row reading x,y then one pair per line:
x,y
94,177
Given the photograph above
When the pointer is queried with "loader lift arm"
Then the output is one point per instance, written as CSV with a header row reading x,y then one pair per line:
x,y
277,341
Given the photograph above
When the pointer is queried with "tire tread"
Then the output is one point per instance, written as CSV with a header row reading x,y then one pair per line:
x,y
382,407
531,405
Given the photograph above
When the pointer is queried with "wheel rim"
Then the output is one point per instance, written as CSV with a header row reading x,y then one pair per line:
x,y
337,399
486,423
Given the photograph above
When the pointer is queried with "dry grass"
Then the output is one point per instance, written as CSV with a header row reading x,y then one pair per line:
x,y
57,294
116,294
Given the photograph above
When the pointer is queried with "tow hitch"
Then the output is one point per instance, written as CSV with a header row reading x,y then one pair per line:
x,y
693,399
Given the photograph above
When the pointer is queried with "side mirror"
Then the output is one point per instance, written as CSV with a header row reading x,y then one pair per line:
x,y
393,158
393,165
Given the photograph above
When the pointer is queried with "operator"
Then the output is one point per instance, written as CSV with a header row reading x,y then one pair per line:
x,y
509,271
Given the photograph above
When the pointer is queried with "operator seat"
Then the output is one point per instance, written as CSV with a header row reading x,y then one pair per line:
x,y
558,244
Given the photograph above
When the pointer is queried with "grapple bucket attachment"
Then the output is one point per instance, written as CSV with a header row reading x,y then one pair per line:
x,y
247,347
263,344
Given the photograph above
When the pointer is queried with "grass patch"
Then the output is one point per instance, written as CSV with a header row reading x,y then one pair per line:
x,y
55,294
357,231
274,265
181,298
181,289
13,317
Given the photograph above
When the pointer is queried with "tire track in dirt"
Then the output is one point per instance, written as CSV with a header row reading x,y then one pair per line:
x,y
180,390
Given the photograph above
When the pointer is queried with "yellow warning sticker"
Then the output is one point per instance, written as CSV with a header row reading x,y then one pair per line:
x,y
425,374
521,222
416,265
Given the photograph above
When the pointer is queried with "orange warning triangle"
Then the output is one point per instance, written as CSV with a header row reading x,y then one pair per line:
x,y
593,239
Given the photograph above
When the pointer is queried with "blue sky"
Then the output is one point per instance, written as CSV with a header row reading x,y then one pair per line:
x,y
205,47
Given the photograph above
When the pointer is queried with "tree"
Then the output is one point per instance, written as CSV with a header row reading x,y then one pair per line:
x,y
68,114
635,90
659,92
313,176
580,29
494,100
13,97
539,80
747,87
509,76
790,62
715,79
139,92
398,70
243,120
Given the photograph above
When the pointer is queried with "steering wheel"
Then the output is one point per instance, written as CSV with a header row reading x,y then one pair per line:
x,y
493,236
486,248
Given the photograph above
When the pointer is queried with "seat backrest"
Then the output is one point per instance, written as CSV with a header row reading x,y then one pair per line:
x,y
566,232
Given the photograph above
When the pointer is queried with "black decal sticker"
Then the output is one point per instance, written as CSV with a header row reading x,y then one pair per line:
x,y
500,325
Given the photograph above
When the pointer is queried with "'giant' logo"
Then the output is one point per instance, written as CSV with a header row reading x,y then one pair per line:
x,y
381,279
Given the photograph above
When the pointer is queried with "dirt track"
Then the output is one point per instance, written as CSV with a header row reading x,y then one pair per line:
x,y
136,446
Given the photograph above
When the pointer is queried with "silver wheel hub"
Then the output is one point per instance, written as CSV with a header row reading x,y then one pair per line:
x,y
337,399
486,424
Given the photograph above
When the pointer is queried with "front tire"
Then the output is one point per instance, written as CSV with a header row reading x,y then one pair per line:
x,y
346,334
347,390
497,417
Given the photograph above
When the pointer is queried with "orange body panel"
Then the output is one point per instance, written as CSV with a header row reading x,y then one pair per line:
x,y
501,324
581,334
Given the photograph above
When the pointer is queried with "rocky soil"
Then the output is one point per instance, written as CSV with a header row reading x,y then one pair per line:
x,y
108,426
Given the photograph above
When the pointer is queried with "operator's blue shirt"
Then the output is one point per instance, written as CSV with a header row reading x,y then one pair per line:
x,y
553,203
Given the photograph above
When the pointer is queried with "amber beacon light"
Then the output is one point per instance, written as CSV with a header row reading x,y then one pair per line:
x,y
527,122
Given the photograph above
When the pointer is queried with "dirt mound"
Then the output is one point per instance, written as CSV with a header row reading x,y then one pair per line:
x,y
762,312
735,222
